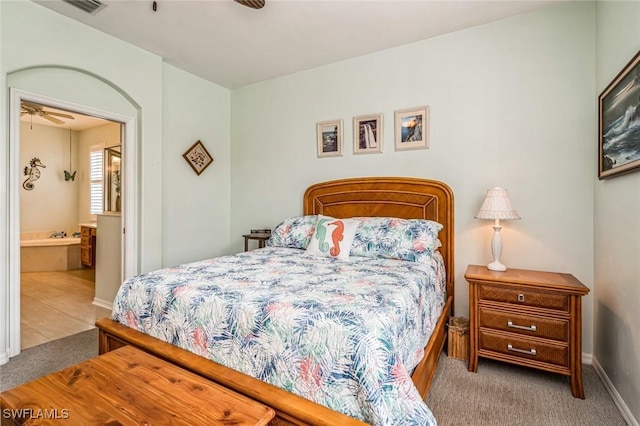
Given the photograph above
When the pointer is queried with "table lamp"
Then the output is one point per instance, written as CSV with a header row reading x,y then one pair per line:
x,y
497,206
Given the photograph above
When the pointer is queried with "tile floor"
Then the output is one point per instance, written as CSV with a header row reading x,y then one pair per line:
x,y
57,304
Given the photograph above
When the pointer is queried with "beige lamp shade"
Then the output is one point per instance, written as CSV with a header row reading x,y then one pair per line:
x,y
497,205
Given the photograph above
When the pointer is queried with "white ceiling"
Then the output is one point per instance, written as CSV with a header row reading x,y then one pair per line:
x,y
79,122
233,45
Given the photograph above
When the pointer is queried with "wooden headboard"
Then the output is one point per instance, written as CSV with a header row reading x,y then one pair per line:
x,y
407,198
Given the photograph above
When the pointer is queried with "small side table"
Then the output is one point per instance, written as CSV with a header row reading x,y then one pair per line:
x,y
261,238
528,318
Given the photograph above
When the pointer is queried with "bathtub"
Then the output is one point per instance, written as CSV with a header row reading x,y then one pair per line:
x,y
49,254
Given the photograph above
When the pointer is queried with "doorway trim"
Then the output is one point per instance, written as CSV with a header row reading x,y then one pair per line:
x,y
130,205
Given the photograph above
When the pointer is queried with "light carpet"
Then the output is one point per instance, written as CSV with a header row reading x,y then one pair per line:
x,y
504,394
48,358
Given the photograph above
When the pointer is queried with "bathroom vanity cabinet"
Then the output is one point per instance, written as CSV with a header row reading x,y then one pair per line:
x,y
88,236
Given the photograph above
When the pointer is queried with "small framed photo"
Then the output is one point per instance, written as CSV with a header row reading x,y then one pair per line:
x,y
198,157
367,134
412,128
329,138
619,123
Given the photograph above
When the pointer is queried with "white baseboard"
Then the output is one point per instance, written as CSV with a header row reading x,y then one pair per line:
x,y
4,358
587,358
102,303
617,399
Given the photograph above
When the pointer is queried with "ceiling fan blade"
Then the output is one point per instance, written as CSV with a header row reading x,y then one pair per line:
x,y
59,114
253,4
52,119
31,105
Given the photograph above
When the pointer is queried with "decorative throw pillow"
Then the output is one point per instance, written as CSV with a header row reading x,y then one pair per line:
x,y
294,232
394,238
333,237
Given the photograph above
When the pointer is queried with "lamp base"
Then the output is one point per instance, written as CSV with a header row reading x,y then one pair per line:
x,y
496,266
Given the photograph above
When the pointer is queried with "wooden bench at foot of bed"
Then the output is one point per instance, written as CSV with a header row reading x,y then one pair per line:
x,y
99,391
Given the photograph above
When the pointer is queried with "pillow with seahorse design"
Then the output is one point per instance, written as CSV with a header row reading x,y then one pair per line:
x,y
332,237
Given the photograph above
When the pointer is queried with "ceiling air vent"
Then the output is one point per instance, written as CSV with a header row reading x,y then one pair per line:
x,y
89,6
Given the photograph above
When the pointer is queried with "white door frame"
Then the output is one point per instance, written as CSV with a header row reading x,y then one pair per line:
x,y
130,208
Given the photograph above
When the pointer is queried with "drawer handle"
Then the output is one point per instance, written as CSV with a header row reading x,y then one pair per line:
x,y
521,327
531,351
520,297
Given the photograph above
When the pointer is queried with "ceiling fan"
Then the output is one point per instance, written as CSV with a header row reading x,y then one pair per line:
x,y
253,4
37,110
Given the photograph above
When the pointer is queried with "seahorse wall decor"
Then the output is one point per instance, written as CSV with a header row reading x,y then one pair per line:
x,y
32,173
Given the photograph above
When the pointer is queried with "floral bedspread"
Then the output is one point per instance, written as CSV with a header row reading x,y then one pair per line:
x,y
345,334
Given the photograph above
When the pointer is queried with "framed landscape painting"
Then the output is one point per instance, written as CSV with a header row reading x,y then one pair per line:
x,y
619,123
367,134
412,128
329,138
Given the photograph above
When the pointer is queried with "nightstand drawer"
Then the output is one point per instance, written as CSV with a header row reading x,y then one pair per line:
x,y
549,328
524,297
513,345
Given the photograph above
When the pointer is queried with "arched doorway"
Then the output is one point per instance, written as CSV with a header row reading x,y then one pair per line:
x,y
124,111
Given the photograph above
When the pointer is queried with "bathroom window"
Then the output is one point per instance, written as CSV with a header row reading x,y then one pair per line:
x,y
96,177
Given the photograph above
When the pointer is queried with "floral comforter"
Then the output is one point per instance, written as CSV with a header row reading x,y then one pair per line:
x,y
345,334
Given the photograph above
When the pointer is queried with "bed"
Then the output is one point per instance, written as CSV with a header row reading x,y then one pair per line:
x,y
405,198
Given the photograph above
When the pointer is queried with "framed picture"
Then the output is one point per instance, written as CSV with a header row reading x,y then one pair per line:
x,y
412,128
367,134
619,123
329,138
198,157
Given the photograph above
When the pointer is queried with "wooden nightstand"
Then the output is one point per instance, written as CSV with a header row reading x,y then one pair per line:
x,y
261,237
529,318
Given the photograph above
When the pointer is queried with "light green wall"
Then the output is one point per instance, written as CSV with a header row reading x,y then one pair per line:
x,y
173,108
617,225
45,53
97,71
511,105
196,212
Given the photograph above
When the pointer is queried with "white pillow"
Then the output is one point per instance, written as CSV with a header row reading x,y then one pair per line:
x,y
332,237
